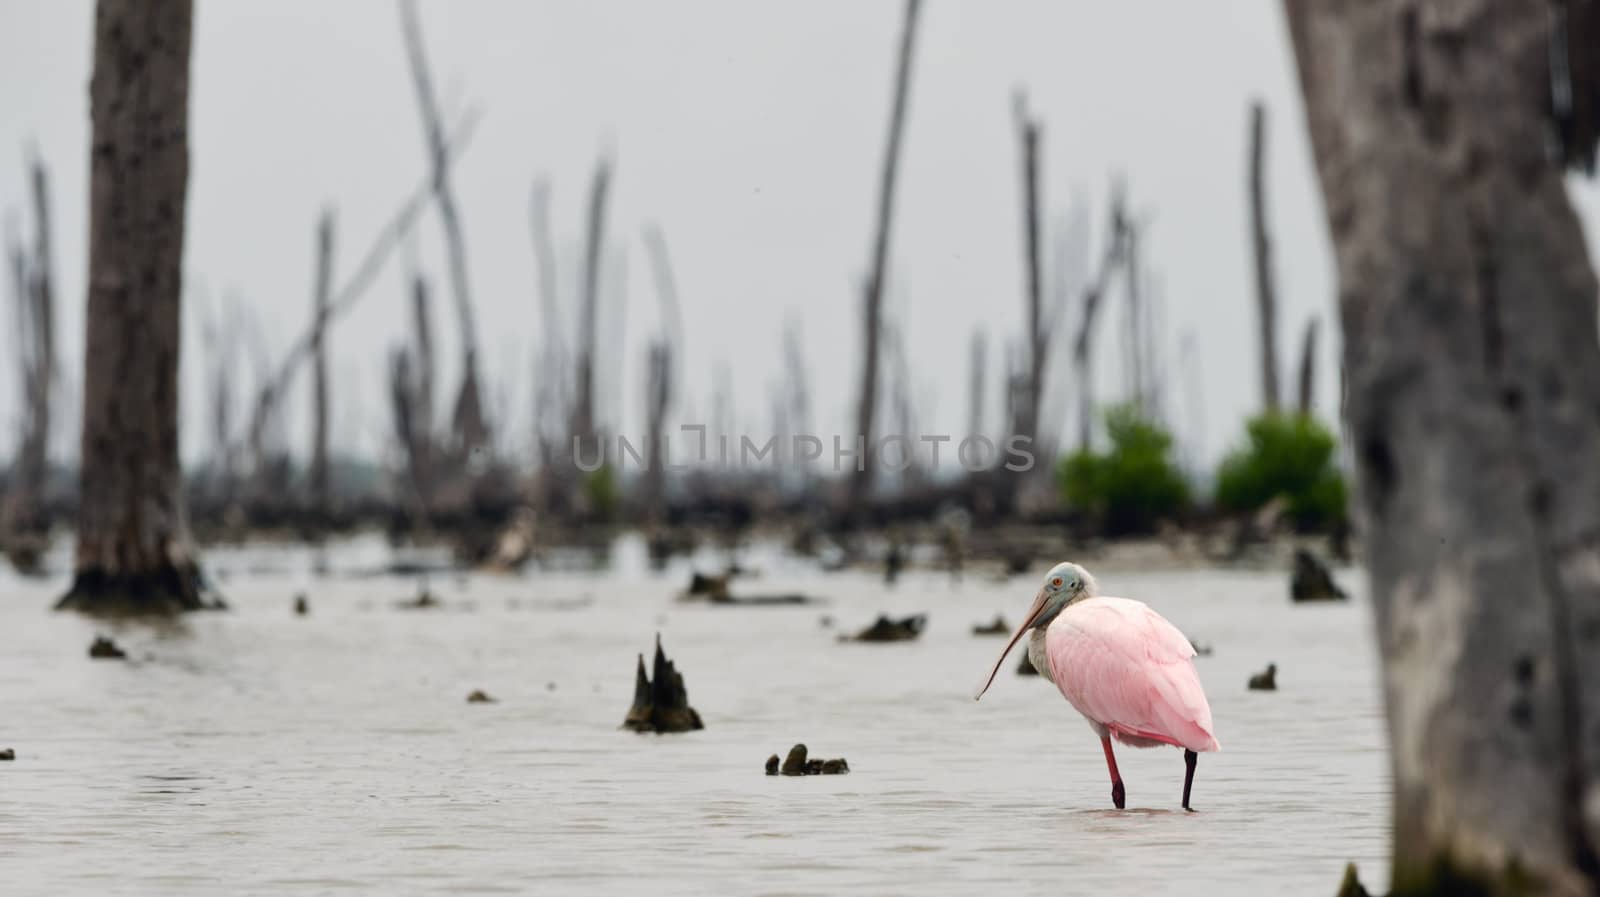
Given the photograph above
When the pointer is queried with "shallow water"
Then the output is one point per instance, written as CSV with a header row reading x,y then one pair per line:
x,y
254,751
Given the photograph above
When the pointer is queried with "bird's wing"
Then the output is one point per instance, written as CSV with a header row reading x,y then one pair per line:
x,y
1124,666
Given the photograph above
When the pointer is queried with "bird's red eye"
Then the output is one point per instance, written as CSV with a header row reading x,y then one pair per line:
x,y
1057,583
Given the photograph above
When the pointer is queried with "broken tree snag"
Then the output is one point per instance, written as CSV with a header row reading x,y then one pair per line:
x,y
1468,304
872,294
1308,367
660,701
1312,581
1261,242
320,499
132,552
582,438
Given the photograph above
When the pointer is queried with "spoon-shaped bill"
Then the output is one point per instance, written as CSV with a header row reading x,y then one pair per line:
x,y
1027,623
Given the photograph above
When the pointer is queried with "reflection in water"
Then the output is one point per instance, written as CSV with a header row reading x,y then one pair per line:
x,y
258,750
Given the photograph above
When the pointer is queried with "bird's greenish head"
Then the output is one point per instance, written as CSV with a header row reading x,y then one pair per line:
x,y
1065,584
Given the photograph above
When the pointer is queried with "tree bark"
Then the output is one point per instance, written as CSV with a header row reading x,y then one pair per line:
x,y
1468,305
872,297
133,551
1261,240
320,499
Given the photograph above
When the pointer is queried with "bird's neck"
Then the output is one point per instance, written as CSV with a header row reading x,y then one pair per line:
x,y
1037,655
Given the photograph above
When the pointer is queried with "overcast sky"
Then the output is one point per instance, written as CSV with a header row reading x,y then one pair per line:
x,y
753,133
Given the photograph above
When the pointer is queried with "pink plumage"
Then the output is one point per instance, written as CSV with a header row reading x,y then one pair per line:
x,y
1128,670
1121,665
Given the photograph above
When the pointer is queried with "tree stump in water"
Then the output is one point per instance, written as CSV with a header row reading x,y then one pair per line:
x,y
660,701
1025,668
105,649
133,546
998,627
886,630
798,764
1312,581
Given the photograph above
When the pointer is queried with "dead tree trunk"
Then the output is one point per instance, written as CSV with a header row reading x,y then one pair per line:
x,y
977,367
1037,339
42,293
872,298
1308,367
1468,304
320,502
582,436
661,375
133,549
471,430
22,509
1093,294
1261,241
552,398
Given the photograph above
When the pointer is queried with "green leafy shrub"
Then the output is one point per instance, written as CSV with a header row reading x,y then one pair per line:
x,y
601,493
1134,485
1290,455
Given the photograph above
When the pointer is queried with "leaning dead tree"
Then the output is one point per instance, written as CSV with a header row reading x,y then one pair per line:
x,y
872,297
22,510
470,429
133,551
384,244
1468,302
1261,245
321,288
1112,257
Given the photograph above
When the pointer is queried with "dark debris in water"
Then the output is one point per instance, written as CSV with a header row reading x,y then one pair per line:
x,y
1312,581
479,696
660,701
798,764
1266,680
7,754
885,629
997,627
104,648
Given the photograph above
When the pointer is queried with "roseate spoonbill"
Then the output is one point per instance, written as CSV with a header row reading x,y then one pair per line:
x,y
1121,665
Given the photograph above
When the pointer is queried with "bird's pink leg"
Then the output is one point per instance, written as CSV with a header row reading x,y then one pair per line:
x,y
1118,795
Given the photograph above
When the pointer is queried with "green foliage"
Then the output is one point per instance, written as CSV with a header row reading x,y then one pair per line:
x,y
1290,455
600,491
1134,485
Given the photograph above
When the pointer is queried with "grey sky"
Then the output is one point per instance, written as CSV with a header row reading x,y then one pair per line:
x,y
753,133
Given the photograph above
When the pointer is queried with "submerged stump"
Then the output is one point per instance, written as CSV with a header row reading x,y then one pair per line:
x,y
660,701
885,629
1312,581
998,627
797,763
105,649
1266,680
